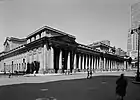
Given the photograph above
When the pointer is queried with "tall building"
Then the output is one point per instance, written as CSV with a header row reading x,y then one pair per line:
x,y
132,42
135,15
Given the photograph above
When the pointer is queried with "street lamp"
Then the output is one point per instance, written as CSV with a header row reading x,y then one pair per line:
x,y
137,30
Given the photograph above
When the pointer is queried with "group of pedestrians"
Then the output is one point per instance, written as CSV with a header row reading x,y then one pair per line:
x,y
89,73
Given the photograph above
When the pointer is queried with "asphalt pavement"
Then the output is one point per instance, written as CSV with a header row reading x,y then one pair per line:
x,y
66,87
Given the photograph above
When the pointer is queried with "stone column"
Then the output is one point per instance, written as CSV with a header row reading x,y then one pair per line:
x,y
40,60
92,62
30,57
109,65
116,64
125,66
75,61
45,57
113,65
83,62
119,65
100,64
86,61
79,61
104,66
89,62
52,60
68,62
95,63
60,60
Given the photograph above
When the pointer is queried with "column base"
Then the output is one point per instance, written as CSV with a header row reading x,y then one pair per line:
x,y
51,71
85,70
41,71
60,71
48,71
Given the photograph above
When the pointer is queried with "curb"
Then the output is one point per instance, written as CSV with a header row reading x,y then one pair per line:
x,y
32,75
135,82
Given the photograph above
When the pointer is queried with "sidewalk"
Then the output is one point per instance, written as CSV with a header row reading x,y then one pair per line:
x,y
41,78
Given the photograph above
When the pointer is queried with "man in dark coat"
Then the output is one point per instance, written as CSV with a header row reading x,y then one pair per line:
x,y
121,87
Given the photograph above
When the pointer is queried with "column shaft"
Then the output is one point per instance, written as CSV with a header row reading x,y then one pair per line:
x,y
60,60
68,62
79,61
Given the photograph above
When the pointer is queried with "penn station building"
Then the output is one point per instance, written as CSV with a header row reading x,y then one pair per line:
x,y
48,50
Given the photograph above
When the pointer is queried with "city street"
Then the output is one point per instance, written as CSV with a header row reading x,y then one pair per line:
x,y
66,87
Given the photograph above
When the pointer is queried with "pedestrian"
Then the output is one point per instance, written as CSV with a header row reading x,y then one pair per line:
x,y
10,74
88,73
121,87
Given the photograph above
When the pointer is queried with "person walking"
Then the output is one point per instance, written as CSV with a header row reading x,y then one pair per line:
x,y
10,74
121,87
88,73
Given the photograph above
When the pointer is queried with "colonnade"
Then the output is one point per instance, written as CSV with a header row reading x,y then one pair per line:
x,y
53,60
97,63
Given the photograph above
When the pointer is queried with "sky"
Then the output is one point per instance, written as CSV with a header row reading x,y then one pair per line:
x,y
87,20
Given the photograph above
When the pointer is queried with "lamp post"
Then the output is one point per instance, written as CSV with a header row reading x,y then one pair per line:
x,y
137,30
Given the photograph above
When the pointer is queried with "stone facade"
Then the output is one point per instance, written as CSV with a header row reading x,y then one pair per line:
x,y
55,52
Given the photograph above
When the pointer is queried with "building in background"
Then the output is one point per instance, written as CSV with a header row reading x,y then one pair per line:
x,y
132,41
120,52
103,46
107,42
